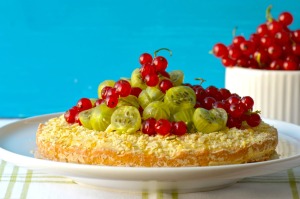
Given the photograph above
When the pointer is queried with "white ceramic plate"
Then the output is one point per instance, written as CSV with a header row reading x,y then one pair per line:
x,y
17,143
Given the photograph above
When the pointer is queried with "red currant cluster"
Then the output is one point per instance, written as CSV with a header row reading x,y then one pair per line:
x,y
152,68
110,95
163,127
273,47
71,115
239,109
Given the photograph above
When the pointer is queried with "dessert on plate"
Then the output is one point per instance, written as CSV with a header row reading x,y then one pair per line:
x,y
154,119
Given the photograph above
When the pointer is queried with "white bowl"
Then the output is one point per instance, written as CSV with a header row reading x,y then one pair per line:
x,y
276,93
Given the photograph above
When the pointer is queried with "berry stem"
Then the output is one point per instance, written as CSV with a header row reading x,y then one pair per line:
x,y
201,80
258,59
234,31
155,52
268,13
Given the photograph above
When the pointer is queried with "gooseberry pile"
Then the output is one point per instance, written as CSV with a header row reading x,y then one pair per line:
x,y
157,102
274,46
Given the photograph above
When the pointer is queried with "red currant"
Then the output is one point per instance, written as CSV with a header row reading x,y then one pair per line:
x,y
255,38
135,91
234,52
225,93
165,85
123,88
248,102
160,63
71,114
253,120
285,18
274,51
219,104
262,30
111,101
236,110
262,57
77,120
147,69
164,74
104,91
179,128
233,99
227,62
234,122
247,48
282,38
237,40
274,27
296,49
208,102
290,65
151,80
220,50
296,36
276,64
163,127
200,93
98,102
212,91
148,126
266,41
145,58
84,104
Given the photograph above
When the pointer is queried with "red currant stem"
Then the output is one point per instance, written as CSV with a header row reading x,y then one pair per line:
x,y
268,13
201,80
258,59
172,137
234,31
249,112
155,52
257,111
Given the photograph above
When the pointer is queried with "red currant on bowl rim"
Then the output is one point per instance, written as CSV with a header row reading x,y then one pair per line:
x,y
220,50
237,40
285,18
290,65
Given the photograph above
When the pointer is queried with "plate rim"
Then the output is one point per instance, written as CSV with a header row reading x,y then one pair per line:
x,y
44,164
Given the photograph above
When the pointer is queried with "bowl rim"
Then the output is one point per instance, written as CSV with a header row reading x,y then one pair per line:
x,y
238,68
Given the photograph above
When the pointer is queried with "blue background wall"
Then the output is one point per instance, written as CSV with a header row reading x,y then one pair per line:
x,y
54,52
